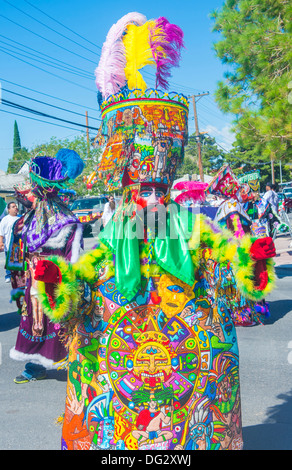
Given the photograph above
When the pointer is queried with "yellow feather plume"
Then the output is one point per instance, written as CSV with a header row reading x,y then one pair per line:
x,y
138,54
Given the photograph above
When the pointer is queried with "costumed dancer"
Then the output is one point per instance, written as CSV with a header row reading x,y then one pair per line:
x,y
47,228
232,215
153,355
262,225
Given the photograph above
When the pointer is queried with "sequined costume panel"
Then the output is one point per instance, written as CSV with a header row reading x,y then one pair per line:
x,y
160,372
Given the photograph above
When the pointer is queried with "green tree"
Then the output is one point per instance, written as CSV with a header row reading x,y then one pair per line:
x,y
241,160
19,153
18,159
16,139
213,157
255,44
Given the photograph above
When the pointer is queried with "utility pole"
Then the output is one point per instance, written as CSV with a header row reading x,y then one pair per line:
x,y
87,133
273,168
200,165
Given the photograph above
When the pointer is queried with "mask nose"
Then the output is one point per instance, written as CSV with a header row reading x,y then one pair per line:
x,y
153,199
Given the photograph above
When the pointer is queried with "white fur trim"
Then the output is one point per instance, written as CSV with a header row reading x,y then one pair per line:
x,y
76,244
35,358
59,239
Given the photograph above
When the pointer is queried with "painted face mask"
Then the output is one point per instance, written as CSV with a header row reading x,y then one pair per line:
x,y
174,295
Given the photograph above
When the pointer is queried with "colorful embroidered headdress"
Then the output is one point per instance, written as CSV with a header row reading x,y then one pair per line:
x,y
47,177
224,183
48,174
143,131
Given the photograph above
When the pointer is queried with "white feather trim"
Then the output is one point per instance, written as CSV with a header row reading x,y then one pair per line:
x,y
110,73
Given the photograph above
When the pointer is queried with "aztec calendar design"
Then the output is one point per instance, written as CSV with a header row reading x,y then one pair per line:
x,y
171,362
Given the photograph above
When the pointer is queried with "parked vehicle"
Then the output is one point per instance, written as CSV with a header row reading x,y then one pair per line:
x,y
287,192
89,210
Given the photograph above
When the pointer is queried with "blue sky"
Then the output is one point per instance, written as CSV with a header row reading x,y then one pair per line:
x,y
41,41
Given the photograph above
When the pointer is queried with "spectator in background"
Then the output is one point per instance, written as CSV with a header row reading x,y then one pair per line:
x,y
6,225
271,196
109,210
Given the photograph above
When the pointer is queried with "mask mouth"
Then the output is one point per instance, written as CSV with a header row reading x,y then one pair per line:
x,y
154,213
170,304
153,207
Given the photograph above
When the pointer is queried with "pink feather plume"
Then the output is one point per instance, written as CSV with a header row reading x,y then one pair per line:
x,y
195,191
166,42
191,185
110,74
192,195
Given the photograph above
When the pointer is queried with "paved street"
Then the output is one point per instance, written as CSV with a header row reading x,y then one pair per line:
x,y
28,412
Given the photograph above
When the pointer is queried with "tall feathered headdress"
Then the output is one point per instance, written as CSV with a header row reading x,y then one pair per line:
x,y
131,44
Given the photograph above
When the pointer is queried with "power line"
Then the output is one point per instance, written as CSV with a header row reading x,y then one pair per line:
x,y
38,59
61,24
46,26
47,104
32,32
95,45
46,62
40,53
46,39
34,119
240,158
179,88
182,87
46,94
39,113
46,71
210,111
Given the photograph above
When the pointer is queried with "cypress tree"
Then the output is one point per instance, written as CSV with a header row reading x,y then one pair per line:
x,y
16,139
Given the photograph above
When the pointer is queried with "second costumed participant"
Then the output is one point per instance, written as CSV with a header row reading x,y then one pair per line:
x,y
231,215
47,228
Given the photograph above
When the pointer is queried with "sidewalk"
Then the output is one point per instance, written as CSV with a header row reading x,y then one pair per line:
x,y
283,246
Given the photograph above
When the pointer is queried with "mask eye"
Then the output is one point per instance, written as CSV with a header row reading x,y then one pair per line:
x,y
145,193
175,289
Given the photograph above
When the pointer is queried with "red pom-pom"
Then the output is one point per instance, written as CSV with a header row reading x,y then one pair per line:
x,y
263,248
48,272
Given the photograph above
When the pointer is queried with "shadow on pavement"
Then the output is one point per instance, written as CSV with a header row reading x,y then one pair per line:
x,y
60,375
278,310
283,272
9,321
276,432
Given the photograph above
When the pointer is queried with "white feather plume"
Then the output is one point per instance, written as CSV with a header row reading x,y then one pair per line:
x,y
110,74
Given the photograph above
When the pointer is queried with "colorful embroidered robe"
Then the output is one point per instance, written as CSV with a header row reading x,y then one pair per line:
x,y
159,370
